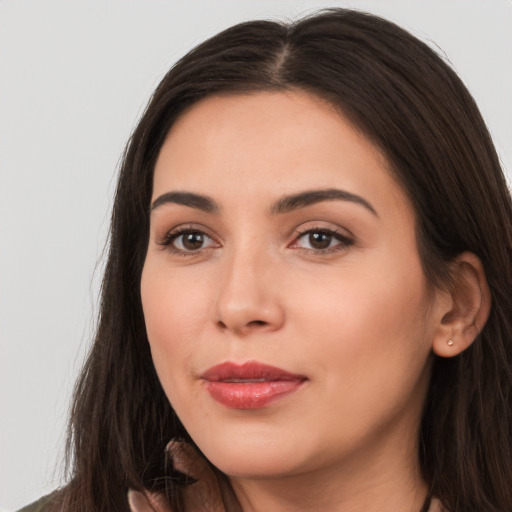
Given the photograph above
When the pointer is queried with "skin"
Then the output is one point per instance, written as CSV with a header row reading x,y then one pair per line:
x,y
357,319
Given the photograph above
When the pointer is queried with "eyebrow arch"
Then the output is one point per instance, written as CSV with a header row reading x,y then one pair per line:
x,y
309,197
200,202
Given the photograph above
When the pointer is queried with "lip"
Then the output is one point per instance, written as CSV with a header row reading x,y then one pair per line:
x,y
251,385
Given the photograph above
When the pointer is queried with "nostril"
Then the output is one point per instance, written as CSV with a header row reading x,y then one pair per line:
x,y
257,323
254,323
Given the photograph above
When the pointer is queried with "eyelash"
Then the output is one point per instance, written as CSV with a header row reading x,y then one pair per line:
x,y
168,240
344,241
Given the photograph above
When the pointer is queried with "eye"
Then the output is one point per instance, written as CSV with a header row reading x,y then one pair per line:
x,y
188,240
321,240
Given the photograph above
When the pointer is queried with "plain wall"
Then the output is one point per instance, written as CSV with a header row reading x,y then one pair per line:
x,y
74,78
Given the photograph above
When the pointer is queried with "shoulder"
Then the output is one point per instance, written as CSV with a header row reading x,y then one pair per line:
x,y
38,505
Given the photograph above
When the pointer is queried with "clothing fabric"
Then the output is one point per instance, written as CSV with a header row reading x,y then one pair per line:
x,y
38,505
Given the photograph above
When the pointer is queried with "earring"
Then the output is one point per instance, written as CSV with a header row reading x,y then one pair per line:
x,y
450,342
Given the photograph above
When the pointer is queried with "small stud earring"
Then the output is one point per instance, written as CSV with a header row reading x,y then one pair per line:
x,y
450,342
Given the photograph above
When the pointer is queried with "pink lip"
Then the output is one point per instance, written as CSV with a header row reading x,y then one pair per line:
x,y
251,385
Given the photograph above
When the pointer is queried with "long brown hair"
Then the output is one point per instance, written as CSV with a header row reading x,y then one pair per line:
x,y
405,99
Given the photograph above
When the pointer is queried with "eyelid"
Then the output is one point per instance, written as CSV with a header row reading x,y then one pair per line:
x,y
342,235
345,237
172,234
321,225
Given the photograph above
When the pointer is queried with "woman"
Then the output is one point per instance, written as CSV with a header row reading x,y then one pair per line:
x,y
307,298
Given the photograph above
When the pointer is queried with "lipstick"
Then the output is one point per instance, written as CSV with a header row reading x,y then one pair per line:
x,y
251,385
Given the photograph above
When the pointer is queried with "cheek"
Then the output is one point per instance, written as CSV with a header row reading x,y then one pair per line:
x,y
370,361
173,312
367,331
367,302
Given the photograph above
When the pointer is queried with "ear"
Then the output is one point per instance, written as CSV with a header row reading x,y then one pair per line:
x,y
465,314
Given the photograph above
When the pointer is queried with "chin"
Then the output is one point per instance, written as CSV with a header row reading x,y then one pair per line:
x,y
257,464
254,454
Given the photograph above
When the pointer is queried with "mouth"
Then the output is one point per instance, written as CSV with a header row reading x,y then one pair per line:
x,y
251,385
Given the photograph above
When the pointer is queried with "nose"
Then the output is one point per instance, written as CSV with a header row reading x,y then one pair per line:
x,y
248,296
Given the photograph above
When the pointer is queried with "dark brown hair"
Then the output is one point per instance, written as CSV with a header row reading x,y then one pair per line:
x,y
405,99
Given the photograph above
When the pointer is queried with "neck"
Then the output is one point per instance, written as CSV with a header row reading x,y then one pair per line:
x,y
385,481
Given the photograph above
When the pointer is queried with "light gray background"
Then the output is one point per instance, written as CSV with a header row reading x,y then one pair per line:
x,y
74,76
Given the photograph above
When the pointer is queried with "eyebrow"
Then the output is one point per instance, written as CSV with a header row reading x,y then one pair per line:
x,y
310,197
283,205
200,202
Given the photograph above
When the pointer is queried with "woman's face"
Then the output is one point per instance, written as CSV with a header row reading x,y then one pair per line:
x,y
286,308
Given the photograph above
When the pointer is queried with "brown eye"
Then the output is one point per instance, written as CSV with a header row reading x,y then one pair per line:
x,y
320,240
192,241
189,241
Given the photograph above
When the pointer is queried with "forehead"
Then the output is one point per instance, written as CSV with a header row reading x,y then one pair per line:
x,y
273,142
